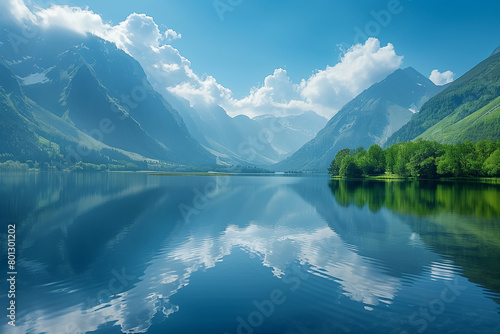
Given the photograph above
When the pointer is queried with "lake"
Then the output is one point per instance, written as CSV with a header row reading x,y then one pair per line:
x,y
135,253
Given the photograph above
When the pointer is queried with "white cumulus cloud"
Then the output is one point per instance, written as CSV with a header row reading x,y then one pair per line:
x,y
440,79
326,91
359,68
15,10
278,95
171,35
72,18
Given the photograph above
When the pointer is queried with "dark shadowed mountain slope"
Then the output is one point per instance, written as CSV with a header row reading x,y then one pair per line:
x,y
102,91
17,139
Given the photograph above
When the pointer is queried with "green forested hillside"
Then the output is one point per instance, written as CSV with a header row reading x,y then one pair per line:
x,y
466,96
482,124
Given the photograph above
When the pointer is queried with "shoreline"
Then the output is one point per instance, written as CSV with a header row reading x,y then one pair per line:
x,y
491,180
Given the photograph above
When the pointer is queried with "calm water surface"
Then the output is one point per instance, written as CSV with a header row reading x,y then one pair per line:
x,y
130,253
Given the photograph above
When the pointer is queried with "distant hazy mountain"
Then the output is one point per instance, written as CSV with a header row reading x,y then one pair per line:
x,y
232,140
240,140
466,110
288,134
370,118
102,91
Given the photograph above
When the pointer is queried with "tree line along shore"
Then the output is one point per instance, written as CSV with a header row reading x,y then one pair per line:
x,y
421,159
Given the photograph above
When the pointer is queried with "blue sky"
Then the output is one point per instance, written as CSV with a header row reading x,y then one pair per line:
x,y
258,36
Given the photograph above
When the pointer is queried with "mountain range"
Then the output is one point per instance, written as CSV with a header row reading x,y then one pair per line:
x,y
100,90
66,97
466,109
370,118
87,86
240,140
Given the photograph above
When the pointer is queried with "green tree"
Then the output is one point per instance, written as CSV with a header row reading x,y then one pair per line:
x,y
421,159
402,166
459,160
376,159
391,156
348,167
484,149
421,151
335,164
361,160
491,166
428,168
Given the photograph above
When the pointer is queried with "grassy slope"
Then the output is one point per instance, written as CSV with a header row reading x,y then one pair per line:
x,y
482,124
